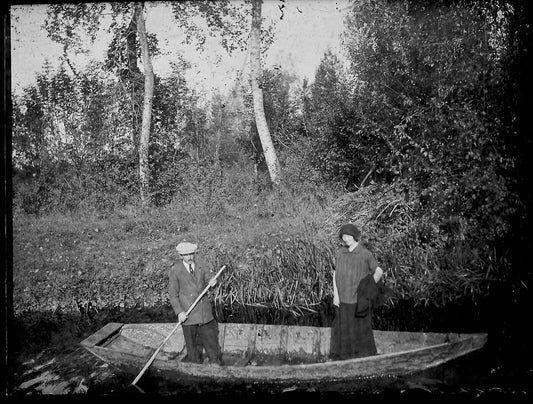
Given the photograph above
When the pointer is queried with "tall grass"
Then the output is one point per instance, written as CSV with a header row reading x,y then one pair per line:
x,y
289,274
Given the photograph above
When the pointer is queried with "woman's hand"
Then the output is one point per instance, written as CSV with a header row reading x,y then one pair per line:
x,y
182,317
336,300
212,282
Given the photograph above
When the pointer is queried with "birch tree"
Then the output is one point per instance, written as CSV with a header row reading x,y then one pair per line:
x,y
144,175
257,93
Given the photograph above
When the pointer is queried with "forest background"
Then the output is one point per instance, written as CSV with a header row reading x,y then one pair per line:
x,y
417,132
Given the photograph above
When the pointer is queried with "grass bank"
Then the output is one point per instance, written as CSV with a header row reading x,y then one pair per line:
x,y
75,271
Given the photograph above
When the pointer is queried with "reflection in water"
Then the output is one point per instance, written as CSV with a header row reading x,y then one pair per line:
x,y
473,374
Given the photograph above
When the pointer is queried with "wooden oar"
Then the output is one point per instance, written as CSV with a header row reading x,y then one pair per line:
x,y
175,328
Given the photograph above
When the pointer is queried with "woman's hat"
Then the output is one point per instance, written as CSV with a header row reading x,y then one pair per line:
x,y
185,248
350,229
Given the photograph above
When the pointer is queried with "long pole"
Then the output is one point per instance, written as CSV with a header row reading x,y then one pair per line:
x,y
175,328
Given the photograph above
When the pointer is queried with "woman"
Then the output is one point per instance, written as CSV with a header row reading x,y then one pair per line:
x,y
355,276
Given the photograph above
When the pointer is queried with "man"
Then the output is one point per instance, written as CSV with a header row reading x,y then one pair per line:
x,y
187,280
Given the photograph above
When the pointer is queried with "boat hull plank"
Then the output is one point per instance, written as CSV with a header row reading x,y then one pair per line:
x,y
102,334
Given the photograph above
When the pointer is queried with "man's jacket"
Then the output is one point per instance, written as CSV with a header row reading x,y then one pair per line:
x,y
370,295
184,288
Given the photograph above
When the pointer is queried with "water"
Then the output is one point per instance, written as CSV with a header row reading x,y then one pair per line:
x,y
473,375
502,368
476,374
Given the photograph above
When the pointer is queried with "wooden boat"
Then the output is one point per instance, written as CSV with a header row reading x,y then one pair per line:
x,y
266,353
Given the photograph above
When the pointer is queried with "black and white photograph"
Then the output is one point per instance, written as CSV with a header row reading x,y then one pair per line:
x,y
268,199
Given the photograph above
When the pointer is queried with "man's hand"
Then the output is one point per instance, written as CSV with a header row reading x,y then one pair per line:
x,y
182,317
212,282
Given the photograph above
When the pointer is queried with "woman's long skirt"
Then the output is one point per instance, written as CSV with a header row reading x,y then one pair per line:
x,y
351,336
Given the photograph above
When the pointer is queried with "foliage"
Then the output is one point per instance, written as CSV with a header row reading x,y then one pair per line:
x,y
332,124
282,114
73,144
69,24
424,262
280,107
418,110
63,137
228,119
222,17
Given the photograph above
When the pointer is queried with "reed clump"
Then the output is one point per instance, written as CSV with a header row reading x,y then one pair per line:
x,y
289,274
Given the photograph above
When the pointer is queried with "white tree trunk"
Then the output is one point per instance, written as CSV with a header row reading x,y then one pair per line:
x,y
144,171
257,92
